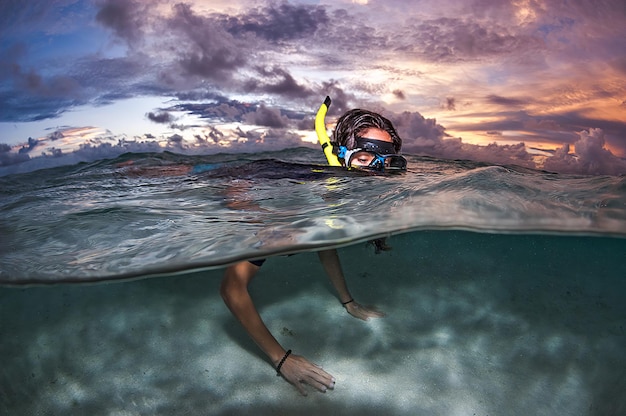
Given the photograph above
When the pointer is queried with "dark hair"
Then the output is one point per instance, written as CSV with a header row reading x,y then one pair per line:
x,y
354,122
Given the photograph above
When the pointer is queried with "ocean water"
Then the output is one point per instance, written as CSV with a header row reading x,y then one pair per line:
x,y
147,214
504,288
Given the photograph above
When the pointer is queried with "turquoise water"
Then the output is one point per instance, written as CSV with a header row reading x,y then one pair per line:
x,y
503,290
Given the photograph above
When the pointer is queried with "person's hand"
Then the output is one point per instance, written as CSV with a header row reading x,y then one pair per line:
x,y
363,312
298,371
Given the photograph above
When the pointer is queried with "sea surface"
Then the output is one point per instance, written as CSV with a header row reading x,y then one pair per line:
x,y
503,287
147,214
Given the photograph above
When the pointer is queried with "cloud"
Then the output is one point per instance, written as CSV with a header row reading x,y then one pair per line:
x,y
279,22
451,103
26,94
277,81
591,157
218,48
399,94
8,158
416,131
9,61
354,39
267,117
342,101
162,117
425,137
50,17
217,110
207,49
461,39
123,17
214,134
33,143
508,101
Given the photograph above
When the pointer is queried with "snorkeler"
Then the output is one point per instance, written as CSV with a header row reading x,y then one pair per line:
x,y
362,140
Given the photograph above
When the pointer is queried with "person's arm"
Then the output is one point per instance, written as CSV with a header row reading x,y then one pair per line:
x,y
332,266
295,369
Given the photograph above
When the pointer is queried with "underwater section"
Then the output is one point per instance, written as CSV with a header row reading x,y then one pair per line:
x,y
476,324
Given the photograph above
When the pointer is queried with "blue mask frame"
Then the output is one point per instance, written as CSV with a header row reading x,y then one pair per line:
x,y
385,158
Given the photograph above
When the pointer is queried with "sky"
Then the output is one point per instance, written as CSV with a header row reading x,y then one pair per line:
x,y
536,83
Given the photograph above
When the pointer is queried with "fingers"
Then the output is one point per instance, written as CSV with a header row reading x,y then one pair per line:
x,y
320,386
299,371
375,314
363,312
300,388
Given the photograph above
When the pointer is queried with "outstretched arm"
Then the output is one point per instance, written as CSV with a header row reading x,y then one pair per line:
x,y
295,369
332,266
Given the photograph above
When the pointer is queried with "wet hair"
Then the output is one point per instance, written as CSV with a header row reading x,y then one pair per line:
x,y
354,122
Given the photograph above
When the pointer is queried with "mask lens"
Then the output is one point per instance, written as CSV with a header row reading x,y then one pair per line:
x,y
371,160
362,159
394,162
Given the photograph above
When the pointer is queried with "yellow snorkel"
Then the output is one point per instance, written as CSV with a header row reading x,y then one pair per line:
x,y
322,135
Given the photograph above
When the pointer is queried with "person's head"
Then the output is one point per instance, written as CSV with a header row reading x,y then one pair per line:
x,y
367,139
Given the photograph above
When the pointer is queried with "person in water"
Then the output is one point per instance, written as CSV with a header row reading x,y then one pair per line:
x,y
361,139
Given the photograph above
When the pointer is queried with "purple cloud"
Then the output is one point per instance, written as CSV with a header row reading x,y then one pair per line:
x,y
162,117
268,117
123,17
278,22
591,157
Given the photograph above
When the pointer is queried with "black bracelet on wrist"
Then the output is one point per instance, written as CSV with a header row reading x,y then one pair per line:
x,y
280,364
345,303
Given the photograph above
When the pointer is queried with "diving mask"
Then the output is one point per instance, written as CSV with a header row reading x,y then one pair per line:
x,y
373,154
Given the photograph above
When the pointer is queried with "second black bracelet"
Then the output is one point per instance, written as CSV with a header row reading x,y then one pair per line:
x,y
345,303
280,364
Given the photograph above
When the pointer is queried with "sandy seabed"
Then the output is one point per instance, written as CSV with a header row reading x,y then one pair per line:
x,y
477,324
